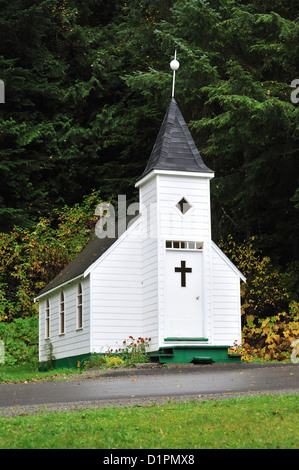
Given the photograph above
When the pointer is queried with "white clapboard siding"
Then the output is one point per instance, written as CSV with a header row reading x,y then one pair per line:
x,y
74,341
149,223
226,326
195,224
116,286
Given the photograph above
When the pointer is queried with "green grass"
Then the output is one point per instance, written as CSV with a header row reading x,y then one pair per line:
x,y
27,373
261,422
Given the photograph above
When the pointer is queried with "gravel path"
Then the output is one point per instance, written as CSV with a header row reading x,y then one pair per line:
x,y
89,405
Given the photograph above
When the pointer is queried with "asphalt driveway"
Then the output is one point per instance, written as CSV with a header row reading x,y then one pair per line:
x,y
146,384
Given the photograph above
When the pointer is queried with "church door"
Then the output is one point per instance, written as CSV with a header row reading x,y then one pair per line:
x,y
183,294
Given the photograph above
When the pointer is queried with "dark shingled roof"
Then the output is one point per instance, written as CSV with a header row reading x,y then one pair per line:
x,y
174,148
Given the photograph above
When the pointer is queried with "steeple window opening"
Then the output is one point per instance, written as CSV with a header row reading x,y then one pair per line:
x,y
183,205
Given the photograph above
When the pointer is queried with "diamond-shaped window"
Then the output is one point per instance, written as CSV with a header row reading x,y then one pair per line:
x,y
183,205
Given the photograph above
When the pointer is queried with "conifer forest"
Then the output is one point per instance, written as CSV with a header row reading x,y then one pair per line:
x,y
87,84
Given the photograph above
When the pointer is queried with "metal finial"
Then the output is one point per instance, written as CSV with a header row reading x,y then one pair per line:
x,y
174,65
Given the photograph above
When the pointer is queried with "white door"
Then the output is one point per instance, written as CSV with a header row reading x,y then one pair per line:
x,y
183,294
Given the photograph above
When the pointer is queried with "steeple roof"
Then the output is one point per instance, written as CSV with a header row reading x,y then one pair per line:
x,y
174,148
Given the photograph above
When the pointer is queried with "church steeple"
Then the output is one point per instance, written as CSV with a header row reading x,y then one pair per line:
x,y
174,148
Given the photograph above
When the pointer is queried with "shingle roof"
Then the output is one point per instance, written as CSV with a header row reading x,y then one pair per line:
x,y
174,148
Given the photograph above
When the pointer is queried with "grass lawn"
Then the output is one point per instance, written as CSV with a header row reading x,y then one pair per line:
x,y
260,422
27,373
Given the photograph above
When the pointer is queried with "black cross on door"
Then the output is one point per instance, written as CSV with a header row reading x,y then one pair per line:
x,y
183,270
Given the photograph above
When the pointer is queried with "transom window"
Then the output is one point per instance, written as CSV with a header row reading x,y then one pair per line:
x,y
183,245
183,205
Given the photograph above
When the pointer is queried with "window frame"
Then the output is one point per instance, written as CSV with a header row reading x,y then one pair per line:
x,y
183,206
187,245
47,319
79,307
62,314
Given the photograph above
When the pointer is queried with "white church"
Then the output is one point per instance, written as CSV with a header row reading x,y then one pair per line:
x,y
162,277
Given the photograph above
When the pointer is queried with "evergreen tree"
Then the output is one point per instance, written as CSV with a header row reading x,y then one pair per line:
x,y
87,85
238,60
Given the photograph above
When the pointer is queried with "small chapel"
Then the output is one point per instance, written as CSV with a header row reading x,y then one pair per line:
x,y
162,277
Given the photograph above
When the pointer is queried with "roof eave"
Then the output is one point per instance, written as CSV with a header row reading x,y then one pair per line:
x,y
154,172
47,292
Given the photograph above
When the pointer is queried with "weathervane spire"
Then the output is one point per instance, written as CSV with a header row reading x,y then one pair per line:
x,y
174,65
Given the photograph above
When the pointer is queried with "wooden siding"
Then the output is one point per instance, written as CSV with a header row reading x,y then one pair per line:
x,y
74,341
116,286
226,325
150,230
195,224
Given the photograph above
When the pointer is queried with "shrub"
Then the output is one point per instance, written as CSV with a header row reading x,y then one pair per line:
x,y
264,294
31,259
270,321
113,361
272,337
20,339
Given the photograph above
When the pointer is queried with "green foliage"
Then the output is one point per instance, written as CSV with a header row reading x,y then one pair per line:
x,y
270,319
237,63
271,338
114,361
29,259
134,350
101,361
87,85
20,339
256,422
264,293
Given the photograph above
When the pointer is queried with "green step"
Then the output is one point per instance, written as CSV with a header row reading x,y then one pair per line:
x,y
174,339
199,354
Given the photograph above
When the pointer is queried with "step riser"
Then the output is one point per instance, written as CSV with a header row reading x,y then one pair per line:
x,y
203,355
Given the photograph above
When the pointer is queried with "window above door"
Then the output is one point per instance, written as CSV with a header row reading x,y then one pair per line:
x,y
183,245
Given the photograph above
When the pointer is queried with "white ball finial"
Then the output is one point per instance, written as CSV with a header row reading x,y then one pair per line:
x,y
174,64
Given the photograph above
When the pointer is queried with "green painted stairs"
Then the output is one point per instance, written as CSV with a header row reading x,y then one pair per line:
x,y
201,354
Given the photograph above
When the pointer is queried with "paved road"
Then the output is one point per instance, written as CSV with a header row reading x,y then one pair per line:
x,y
213,379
